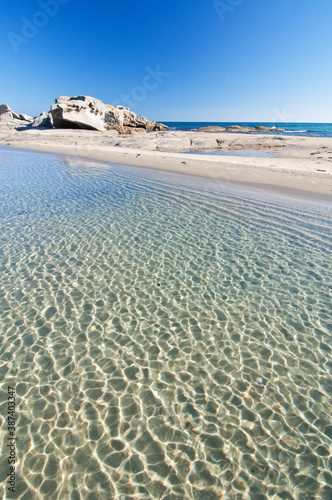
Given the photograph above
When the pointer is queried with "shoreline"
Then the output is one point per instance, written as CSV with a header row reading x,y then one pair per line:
x,y
295,168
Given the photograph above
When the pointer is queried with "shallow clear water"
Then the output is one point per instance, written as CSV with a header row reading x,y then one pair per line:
x,y
169,337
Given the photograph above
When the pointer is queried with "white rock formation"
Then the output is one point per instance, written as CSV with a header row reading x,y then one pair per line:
x,y
90,113
11,119
78,112
44,120
82,112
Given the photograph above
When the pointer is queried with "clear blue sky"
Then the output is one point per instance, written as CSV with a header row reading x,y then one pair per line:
x,y
261,60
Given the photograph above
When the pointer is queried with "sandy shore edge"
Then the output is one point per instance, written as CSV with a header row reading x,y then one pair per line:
x,y
288,172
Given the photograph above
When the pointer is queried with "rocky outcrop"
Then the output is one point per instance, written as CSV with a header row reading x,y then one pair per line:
x,y
5,111
238,128
89,113
261,128
134,143
78,112
124,120
203,143
121,117
173,143
210,128
44,120
154,142
249,143
11,119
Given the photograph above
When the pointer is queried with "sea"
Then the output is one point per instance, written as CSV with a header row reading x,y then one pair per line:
x,y
299,129
162,337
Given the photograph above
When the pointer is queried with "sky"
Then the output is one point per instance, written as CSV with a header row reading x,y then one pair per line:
x,y
176,60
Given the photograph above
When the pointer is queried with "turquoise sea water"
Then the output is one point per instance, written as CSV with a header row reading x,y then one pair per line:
x,y
301,129
168,337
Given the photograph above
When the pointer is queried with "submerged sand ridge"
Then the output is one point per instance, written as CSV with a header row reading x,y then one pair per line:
x,y
302,164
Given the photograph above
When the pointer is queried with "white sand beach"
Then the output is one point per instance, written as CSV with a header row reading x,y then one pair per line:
x,y
299,165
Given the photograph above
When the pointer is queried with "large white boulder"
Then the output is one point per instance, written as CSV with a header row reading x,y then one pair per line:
x,y
78,112
90,113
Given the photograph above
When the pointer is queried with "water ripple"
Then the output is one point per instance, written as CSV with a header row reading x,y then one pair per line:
x,y
170,338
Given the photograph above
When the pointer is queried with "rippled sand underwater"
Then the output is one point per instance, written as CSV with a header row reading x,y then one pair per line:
x,y
169,338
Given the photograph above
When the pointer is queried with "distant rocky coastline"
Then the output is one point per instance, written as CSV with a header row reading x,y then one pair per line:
x,y
88,113
300,163
82,112
238,128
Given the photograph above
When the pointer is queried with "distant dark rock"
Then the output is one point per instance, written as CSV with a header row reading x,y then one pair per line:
x,y
262,128
238,128
210,128
234,127
258,128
